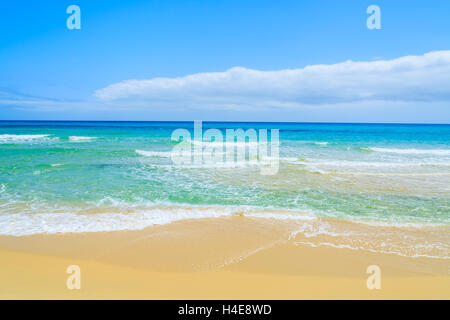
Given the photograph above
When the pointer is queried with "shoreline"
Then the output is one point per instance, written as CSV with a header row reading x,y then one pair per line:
x,y
222,258
409,239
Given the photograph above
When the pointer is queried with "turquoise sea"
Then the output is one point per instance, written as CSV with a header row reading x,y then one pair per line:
x,y
58,177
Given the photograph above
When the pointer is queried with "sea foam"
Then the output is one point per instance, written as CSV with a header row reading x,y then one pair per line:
x,y
437,152
111,219
20,138
161,154
81,139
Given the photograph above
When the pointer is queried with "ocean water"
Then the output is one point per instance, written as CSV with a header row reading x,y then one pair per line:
x,y
58,177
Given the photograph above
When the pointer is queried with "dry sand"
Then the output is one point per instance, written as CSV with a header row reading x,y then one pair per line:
x,y
223,258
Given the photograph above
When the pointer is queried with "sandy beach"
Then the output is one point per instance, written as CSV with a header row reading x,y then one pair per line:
x,y
224,258
205,150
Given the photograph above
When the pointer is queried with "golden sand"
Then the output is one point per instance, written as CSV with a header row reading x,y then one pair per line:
x,y
222,258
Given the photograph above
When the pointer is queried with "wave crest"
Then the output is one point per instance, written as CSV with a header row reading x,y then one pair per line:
x,y
437,152
20,138
81,139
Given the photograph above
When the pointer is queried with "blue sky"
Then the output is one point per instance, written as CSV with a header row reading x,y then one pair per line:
x,y
50,72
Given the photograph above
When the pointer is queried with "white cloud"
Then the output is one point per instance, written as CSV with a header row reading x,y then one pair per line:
x,y
423,78
407,89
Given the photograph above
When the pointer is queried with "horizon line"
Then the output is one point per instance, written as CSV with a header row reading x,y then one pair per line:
x,y
235,121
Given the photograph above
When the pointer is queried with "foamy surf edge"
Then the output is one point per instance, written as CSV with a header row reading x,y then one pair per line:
x,y
20,224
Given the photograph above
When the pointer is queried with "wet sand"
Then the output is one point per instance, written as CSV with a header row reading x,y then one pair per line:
x,y
221,258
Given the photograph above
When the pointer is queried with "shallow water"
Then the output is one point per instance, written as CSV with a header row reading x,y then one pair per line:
x,y
101,176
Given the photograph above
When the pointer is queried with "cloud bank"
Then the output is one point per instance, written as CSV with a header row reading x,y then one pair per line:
x,y
408,89
424,78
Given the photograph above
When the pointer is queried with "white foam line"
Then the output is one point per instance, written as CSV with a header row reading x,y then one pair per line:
x,y
81,139
439,152
13,138
19,224
26,223
218,165
345,246
378,164
51,223
154,153
400,225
